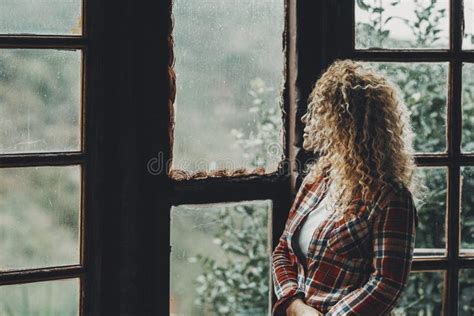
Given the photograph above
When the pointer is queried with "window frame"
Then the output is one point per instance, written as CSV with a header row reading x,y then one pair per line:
x,y
275,186
89,157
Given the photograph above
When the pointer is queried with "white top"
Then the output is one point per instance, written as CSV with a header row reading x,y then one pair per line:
x,y
311,222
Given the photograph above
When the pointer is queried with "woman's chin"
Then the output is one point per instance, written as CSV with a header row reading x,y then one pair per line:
x,y
305,145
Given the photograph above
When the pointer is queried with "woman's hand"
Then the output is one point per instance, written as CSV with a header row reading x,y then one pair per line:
x,y
299,308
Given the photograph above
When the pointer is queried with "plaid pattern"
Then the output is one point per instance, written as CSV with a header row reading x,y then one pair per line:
x,y
358,266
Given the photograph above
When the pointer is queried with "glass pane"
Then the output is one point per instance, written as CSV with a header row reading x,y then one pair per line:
x,y
402,24
52,17
40,105
430,234
39,217
229,67
424,89
468,42
467,211
220,259
468,108
422,295
466,292
59,297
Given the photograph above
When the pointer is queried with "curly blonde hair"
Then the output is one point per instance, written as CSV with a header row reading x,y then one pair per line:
x,y
360,129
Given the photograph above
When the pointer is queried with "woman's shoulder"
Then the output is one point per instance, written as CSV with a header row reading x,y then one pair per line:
x,y
394,192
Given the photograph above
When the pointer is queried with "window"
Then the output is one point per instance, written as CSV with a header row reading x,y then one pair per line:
x,y
227,167
423,46
229,65
117,146
48,157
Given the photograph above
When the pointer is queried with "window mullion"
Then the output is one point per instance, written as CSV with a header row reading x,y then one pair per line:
x,y
454,133
452,234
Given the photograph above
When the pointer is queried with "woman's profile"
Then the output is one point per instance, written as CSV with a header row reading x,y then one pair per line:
x,y
348,242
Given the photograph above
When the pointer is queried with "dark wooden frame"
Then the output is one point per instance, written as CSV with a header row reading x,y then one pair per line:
x,y
89,157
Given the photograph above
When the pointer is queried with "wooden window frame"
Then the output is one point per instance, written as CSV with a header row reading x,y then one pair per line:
x,y
89,157
275,186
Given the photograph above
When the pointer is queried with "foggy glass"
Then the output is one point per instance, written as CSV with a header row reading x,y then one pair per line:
x,y
59,297
40,104
468,40
39,217
220,259
42,17
229,68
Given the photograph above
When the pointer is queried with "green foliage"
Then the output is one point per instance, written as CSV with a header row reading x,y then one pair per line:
x,y
423,295
467,210
425,28
376,33
258,142
466,292
432,211
240,285
375,29
468,108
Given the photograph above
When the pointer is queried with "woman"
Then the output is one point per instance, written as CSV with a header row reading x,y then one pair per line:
x,y
348,242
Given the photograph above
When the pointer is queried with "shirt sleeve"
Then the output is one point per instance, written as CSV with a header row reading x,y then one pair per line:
x,y
284,274
394,229
284,270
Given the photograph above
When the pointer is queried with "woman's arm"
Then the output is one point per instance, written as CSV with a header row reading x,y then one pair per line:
x,y
394,231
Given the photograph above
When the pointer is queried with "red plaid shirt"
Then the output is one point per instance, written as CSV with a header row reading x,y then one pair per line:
x,y
355,267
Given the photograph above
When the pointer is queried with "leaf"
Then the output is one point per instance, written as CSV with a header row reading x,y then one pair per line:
x,y
363,5
378,10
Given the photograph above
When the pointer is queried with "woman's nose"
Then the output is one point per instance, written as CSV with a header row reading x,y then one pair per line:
x,y
304,117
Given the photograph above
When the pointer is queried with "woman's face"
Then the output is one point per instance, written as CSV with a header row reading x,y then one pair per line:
x,y
307,121
313,133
